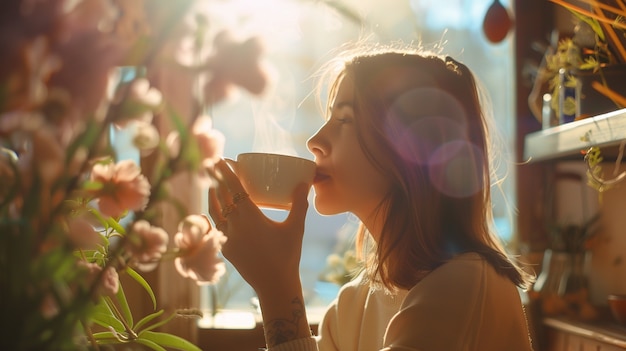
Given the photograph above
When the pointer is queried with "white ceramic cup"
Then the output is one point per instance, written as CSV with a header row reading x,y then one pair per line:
x,y
270,179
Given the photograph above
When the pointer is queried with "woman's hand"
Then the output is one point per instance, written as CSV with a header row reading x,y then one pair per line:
x,y
265,252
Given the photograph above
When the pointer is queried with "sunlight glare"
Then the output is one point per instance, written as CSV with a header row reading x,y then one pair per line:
x,y
272,20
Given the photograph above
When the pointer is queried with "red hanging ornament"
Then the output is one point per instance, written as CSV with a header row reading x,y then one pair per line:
x,y
497,22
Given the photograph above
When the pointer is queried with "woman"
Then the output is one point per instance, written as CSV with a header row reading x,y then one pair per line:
x,y
405,149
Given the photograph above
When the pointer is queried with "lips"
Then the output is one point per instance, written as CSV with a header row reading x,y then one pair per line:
x,y
320,177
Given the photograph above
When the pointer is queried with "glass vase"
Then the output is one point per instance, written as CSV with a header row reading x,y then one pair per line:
x,y
563,286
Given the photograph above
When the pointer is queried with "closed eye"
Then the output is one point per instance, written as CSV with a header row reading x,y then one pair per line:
x,y
342,112
342,120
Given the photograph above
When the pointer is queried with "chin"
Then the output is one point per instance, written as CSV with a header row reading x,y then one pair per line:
x,y
327,209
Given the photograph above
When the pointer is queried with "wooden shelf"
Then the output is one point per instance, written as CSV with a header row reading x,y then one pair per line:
x,y
602,331
568,140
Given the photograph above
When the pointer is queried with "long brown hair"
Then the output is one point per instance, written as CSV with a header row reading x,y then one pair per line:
x,y
423,112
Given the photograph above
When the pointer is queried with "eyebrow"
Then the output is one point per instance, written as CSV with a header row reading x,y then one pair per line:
x,y
342,104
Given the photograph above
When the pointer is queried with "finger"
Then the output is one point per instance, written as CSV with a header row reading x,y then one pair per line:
x,y
223,195
222,187
300,205
215,208
215,211
229,177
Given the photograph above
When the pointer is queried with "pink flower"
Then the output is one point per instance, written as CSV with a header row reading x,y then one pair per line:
x,y
235,63
49,306
147,244
199,245
210,141
110,282
109,279
92,270
88,52
123,187
172,141
82,234
146,137
26,30
138,101
41,64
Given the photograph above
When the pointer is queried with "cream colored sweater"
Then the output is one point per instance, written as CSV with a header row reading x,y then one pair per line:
x,y
463,305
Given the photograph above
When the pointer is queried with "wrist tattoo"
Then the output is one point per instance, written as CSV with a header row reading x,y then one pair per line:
x,y
282,330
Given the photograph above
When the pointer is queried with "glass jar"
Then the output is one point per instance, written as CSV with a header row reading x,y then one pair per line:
x,y
569,95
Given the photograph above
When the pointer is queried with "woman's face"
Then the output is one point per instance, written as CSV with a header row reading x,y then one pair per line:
x,y
346,181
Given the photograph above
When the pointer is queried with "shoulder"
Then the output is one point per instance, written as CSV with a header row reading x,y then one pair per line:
x,y
358,301
351,296
355,289
464,297
467,269
466,277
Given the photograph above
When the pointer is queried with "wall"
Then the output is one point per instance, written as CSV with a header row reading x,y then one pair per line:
x,y
575,201
608,269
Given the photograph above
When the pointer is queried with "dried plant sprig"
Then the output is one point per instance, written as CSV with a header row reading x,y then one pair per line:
x,y
607,23
593,159
588,13
597,4
608,29
608,92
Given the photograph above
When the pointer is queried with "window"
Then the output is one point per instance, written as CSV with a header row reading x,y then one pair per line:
x,y
300,35
461,20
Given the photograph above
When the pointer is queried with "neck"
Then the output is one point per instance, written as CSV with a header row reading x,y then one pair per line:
x,y
374,223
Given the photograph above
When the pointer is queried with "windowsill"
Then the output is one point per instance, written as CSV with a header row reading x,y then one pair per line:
x,y
229,319
241,319
239,330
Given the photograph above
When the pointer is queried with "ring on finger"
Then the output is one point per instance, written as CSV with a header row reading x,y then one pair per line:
x,y
237,197
228,209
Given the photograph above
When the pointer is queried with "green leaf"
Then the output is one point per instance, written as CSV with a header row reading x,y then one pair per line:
x,y
177,121
116,226
169,340
121,298
91,185
150,344
145,320
189,151
91,255
592,22
160,323
130,109
107,320
131,272
93,132
103,335
105,338
98,216
590,63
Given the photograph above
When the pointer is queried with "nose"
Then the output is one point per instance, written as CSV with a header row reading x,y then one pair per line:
x,y
316,144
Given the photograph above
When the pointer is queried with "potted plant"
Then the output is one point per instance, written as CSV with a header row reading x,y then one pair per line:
x,y
607,58
585,77
562,286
